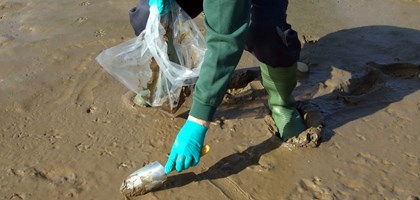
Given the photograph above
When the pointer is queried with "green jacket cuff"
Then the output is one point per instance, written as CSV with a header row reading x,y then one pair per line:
x,y
202,111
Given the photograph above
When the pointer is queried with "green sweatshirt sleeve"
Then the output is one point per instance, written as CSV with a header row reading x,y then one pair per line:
x,y
226,23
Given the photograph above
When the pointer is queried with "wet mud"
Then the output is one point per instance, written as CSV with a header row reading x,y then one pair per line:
x,y
69,130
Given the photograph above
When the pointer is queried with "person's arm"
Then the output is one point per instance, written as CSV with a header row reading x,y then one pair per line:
x,y
226,24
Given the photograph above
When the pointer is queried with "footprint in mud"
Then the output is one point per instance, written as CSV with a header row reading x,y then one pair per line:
x,y
244,86
244,95
99,33
63,178
242,77
398,70
372,82
80,20
67,181
312,136
362,87
85,3
366,159
312,189
264,165
86,95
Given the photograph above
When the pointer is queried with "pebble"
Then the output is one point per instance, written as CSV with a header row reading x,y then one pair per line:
x,y
302,67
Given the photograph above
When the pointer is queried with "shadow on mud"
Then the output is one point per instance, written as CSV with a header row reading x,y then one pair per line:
x,y
353,73
227,166
369,68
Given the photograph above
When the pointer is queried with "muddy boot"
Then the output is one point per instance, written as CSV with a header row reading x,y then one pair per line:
x,y
279,84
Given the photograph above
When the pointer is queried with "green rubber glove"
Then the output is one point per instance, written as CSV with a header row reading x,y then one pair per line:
x,y
186,150
162,5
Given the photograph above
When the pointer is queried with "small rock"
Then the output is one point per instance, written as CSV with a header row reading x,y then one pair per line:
x,y
91,109
302,67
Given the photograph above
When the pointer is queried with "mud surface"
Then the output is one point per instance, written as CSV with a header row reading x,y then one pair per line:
x,y
69,130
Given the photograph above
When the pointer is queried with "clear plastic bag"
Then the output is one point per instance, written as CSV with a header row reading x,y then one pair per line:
x,y
163,59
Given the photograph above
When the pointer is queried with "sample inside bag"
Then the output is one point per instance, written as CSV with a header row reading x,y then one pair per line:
x,y
160,63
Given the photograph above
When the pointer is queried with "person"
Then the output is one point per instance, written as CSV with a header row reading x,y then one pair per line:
x,y
258,26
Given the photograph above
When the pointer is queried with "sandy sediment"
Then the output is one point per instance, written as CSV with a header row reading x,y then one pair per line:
x,y
69,130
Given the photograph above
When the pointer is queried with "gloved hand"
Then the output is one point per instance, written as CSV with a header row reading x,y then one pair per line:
x,y
162,5
186,150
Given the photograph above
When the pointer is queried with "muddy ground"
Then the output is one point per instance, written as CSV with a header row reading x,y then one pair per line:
x,y
69,130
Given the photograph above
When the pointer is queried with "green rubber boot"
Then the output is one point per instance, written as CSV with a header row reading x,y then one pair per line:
x,y
279,84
